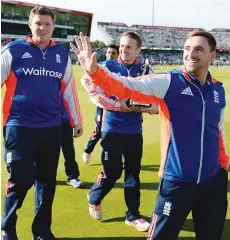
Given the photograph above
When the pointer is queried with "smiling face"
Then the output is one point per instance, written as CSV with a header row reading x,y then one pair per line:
x,y
197,55
42,28
128,49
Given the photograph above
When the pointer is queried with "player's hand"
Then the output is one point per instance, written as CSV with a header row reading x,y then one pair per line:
x,y
77,131
123,105
83,51
154,109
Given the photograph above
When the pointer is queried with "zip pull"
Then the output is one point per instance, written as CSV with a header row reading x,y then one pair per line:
x,y
44,53
128,70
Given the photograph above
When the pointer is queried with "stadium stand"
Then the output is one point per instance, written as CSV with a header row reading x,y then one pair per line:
x,y
161,45
160,37
164,45
15,16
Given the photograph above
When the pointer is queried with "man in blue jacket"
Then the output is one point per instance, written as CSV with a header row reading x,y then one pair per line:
x,y
121,135
194,161
35,70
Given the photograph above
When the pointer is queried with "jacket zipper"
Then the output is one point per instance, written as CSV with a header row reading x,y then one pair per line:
x,y
128,70
202,133
43,52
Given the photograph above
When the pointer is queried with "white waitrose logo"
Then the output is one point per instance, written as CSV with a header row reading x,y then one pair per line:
x,y
58,58
216,96
9,157
41,72
187,91
26,55
167,208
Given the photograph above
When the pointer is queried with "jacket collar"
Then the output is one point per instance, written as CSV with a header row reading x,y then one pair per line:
x,y
123,63
29,39
192,78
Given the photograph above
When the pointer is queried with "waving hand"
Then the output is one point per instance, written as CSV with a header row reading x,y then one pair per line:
x,y
83,51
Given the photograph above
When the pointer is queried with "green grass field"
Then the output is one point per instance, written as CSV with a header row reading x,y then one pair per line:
x,y
70,210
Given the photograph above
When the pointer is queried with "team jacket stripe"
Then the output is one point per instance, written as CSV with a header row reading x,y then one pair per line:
x,y
103,118
98,97
70,96
224,159
100,102
11,84
73,111
165,135
105,102
68,111
152,226
76,101
63,87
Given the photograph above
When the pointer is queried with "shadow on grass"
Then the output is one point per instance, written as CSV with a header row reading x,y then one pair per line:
x,y
189,227
88,185
144,185
122,219
104,238
186,238
95,164
119,238
150,168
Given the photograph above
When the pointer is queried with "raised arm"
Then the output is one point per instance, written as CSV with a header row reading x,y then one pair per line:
x,y
147,89
144,89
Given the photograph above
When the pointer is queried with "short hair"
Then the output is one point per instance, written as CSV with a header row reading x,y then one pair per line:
x,y
41,10
114,47
135,36
210,38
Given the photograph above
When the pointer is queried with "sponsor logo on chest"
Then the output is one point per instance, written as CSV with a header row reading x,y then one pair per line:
x,y
41,72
